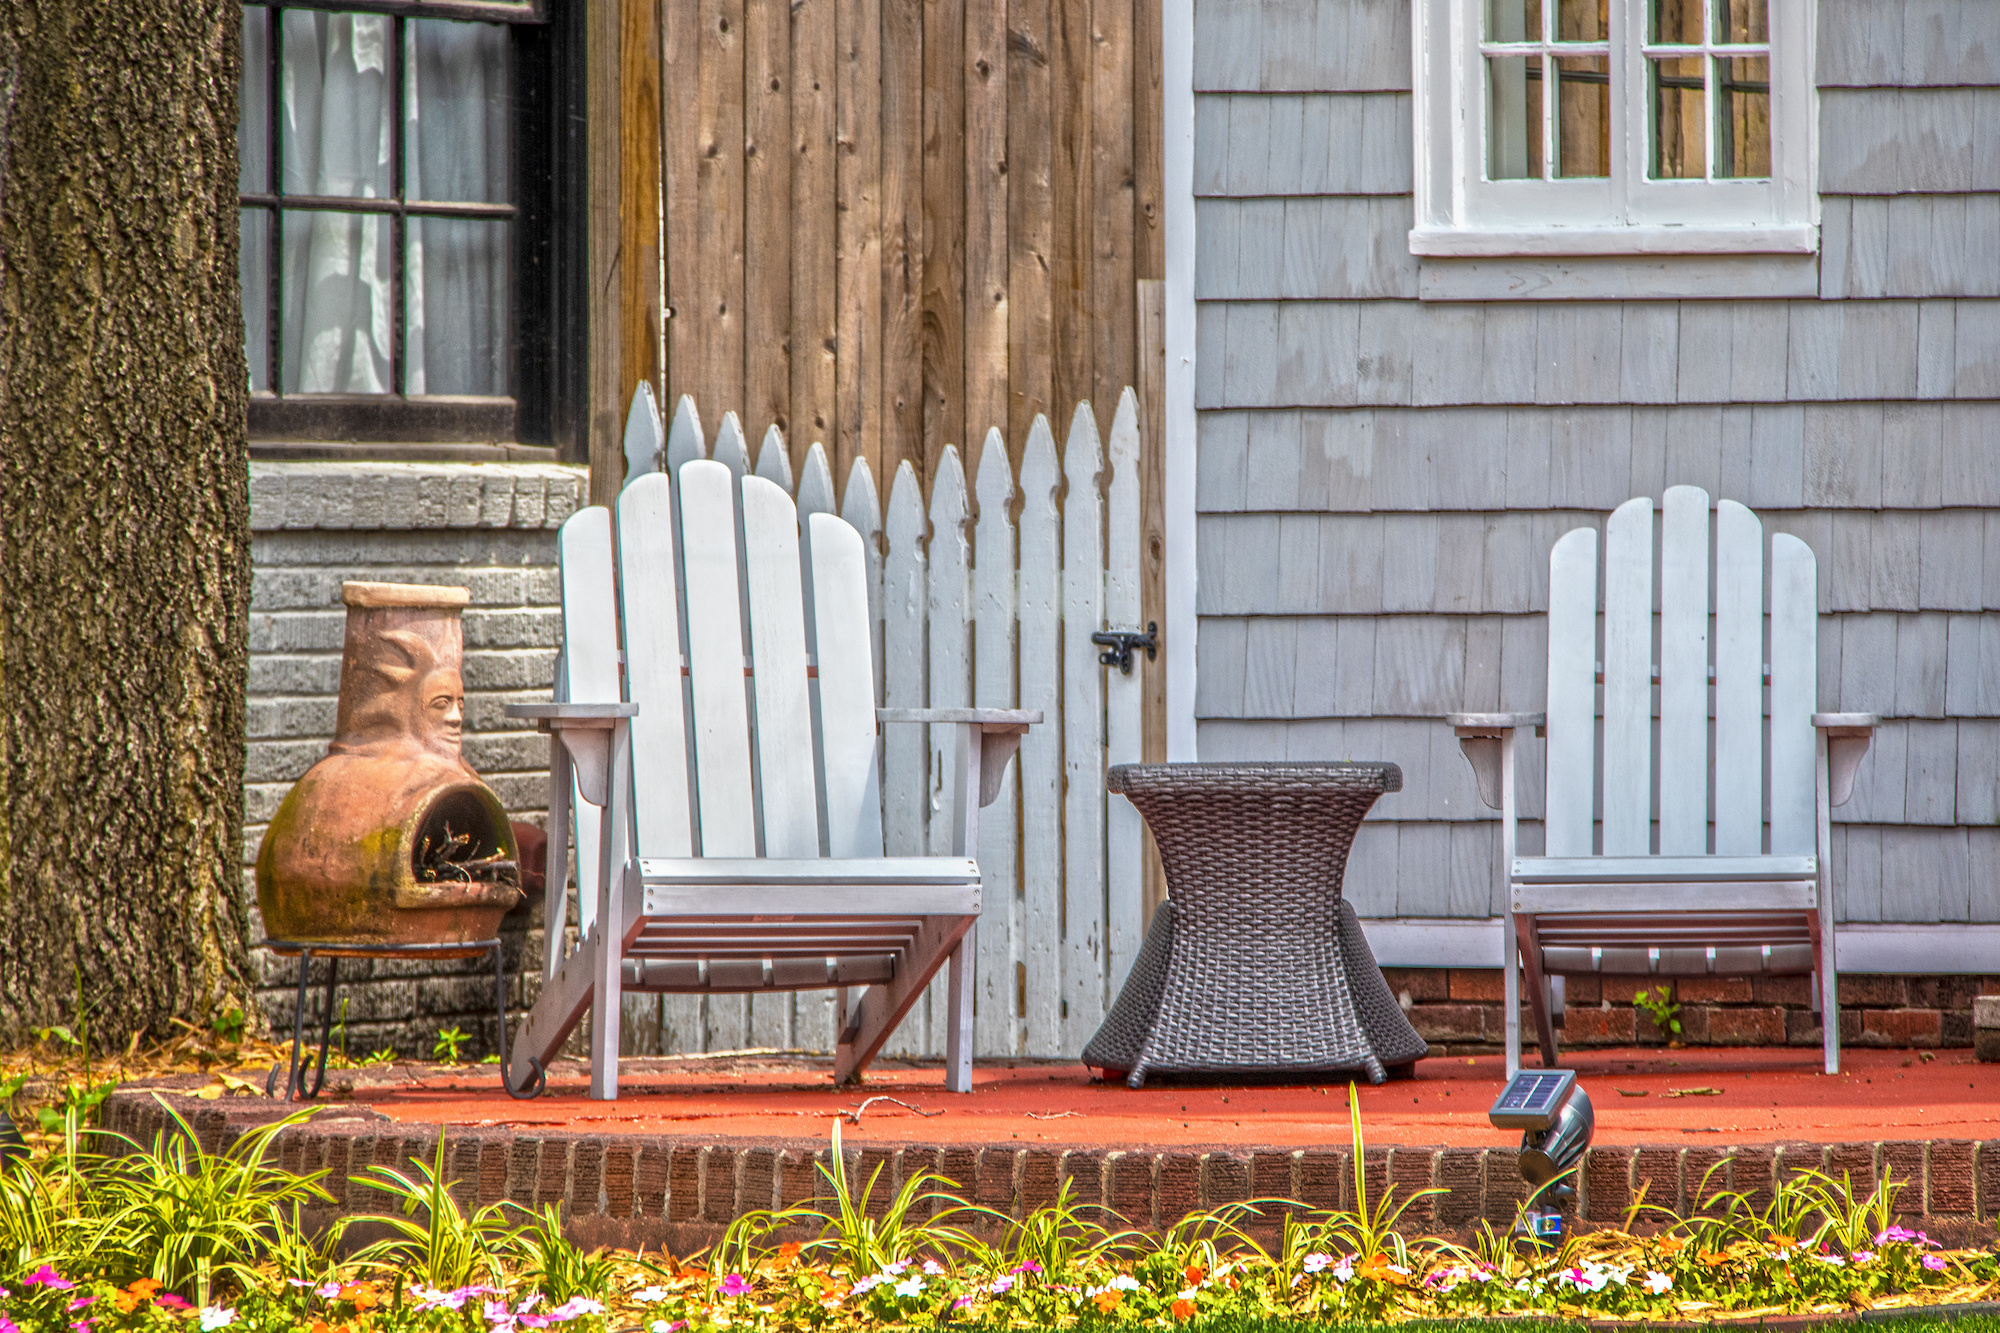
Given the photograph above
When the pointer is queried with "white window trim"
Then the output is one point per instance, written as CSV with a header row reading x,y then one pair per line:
x,y
1461,214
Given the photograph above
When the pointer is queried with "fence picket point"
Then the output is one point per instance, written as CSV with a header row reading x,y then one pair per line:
x,y
1040,760
774,464
685,442
816,484
731,449
645,439
1124,836
1083,952
997,1018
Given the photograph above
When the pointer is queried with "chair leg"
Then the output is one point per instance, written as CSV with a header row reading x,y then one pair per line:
x,y
958,1035
1510,1001
1538,997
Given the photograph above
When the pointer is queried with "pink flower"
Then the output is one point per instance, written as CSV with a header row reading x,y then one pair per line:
x,y
80,1302
46,1276
8,1326
961,1303
578,1306
1862,1256
165,1300
734,1285
1892,1234
1934,1262
1029,1267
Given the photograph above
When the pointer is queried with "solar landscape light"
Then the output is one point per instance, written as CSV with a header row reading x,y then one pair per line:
x,y
1554,1115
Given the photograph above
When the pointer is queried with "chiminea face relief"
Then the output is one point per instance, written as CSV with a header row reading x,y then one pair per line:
x,y
392,838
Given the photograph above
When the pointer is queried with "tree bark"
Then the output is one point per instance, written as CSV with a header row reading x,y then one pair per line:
x,y
125,553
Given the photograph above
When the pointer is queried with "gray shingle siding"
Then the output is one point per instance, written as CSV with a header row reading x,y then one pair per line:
x,y
1380,479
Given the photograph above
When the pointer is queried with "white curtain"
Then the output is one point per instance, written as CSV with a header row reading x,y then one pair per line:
x,y
336,119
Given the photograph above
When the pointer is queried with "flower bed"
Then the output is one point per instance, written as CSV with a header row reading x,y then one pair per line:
x,y
166,1236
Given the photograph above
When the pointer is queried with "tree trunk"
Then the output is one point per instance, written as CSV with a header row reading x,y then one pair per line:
x,y
124,553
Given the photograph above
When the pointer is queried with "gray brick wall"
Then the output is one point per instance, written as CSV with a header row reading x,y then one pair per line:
x,y
486,527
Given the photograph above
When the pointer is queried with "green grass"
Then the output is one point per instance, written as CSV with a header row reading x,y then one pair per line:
x,y
1970,1323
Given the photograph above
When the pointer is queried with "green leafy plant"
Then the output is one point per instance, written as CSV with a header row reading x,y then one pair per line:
x,y
865,1244
1661,1007
449,1041
385,1056
81,1099
181,1215
433,1237
1371,1232
229,1024
555,1265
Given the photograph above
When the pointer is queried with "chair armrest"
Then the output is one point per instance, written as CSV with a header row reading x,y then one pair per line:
x,y
1479,735
1848,736
562,716
1494,724
988,720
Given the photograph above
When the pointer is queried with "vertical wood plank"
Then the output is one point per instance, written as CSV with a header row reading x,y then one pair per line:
x,y
1041,757
1083,957
858,243
1572,692
1739,681
608,389
950,676
1030,218
719,228
1109,258
767,192
996,1009
1794,694
1124,839
986,181
905,600
1684,673
639,202
815,224
903,166
1152,384
1071,201
1149,246
941,330
1628,678
861,508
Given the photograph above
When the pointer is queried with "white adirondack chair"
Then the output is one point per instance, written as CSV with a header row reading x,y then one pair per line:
x,y
1719,865
739,839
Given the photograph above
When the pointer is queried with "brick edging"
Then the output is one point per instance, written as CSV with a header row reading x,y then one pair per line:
x,y
678,1192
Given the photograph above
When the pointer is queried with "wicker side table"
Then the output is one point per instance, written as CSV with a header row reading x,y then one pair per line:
x,y
1255,964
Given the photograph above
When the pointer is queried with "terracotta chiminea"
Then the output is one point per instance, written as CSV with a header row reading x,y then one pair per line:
x,y
392,838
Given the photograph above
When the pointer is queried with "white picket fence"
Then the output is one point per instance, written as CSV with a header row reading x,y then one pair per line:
x,y
990,613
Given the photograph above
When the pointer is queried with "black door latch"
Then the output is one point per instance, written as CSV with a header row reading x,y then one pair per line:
x,y
1119,643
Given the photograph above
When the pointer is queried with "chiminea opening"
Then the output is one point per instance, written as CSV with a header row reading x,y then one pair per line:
x,y
459,841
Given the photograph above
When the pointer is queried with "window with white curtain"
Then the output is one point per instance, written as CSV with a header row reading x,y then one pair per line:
x,y
1614,127
381,217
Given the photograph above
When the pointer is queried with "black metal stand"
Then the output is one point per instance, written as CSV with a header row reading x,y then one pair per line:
x,y
295,1075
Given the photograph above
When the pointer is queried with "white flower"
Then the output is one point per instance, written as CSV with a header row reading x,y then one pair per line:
x,y
896,1269
1833,1259
575,1307
1002,1285
869,1283
933,1268
216,1316
1187,1294
1123,1282
651,1295
911,1285
1658,1283
1344,1270
1316,1262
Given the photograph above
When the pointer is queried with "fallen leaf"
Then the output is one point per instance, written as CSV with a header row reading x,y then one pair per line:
x,y
1693,1092
1631,1092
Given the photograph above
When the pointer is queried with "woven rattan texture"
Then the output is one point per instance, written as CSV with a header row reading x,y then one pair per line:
x,y
1254,976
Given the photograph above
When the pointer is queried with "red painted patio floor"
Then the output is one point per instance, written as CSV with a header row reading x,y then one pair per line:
x,y
1765,1095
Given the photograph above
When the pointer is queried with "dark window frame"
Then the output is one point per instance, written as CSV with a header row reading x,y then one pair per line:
x,y
545,414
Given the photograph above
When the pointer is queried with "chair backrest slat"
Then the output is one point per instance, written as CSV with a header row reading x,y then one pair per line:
x,y
649,599
1684,672
1628,679
1794,691
589,661
1739,681
837,600
1572,693
721,721
787,787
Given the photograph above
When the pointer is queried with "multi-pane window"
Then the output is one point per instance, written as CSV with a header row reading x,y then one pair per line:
x,y
1614,126
382,214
